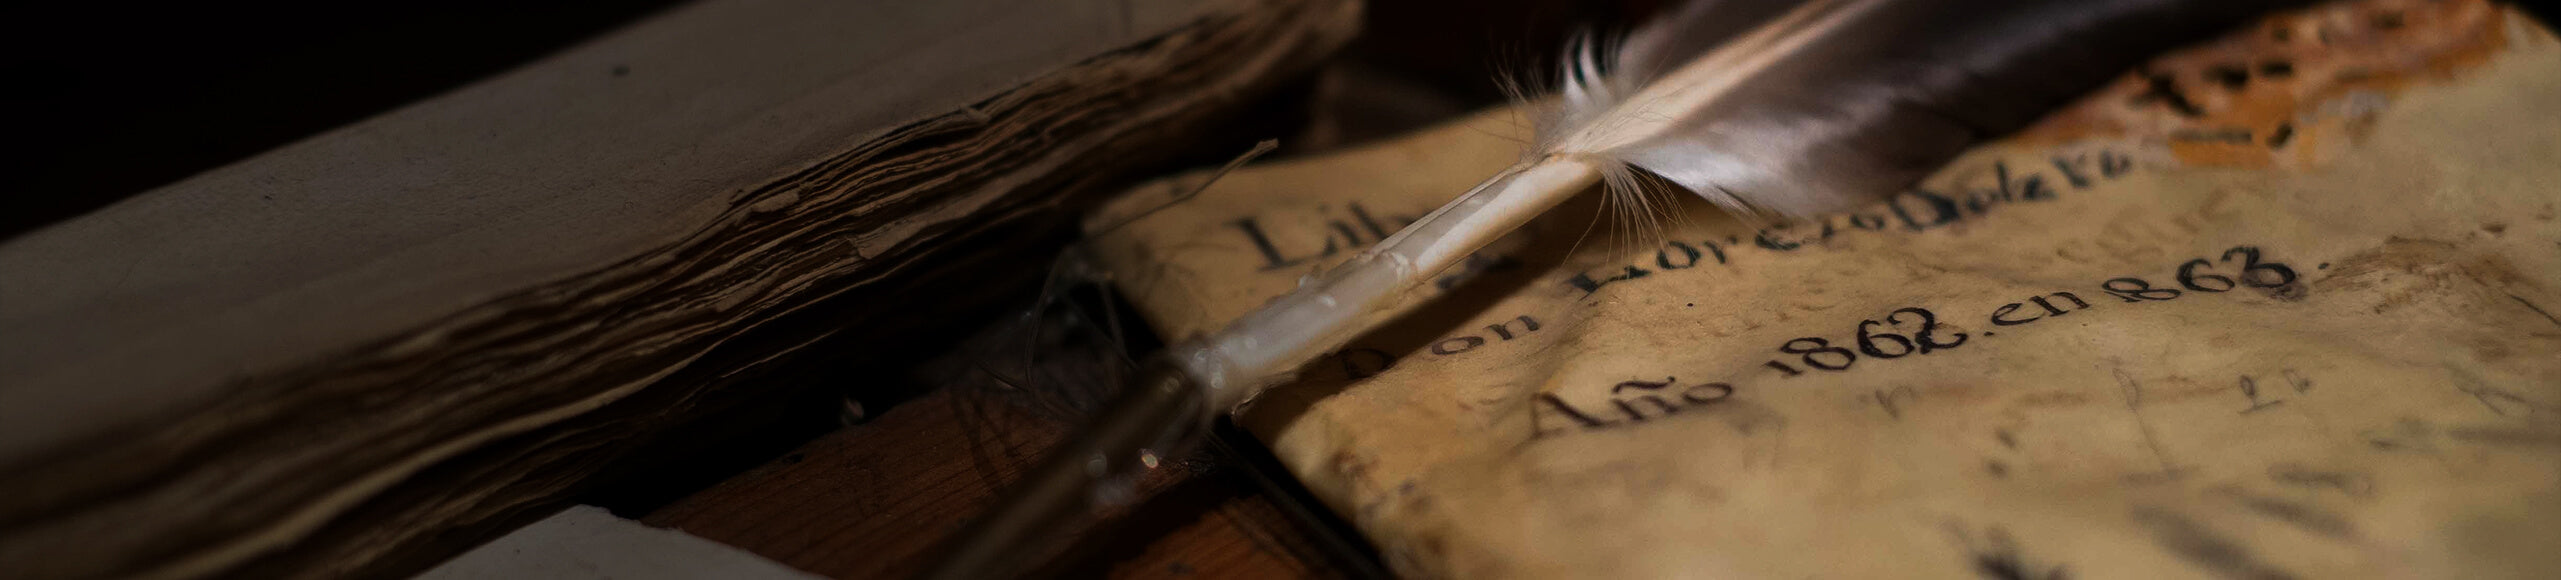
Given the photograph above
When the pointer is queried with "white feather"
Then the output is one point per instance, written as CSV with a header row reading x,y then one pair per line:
x,y
1634,119
1602,126
1788,108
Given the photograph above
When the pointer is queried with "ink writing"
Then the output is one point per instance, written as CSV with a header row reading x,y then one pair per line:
x,y
1875,339
1916,330
1630,403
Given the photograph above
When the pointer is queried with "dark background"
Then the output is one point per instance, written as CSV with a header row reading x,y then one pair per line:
x,y
111,99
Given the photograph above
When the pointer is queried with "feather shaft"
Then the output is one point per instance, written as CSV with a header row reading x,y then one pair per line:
x,y
1325,311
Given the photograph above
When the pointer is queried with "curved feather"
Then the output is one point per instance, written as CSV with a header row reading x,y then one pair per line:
x,y
1836,102
1597,77
1799,108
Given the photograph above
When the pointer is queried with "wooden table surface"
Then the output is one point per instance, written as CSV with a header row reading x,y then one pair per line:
x,y
874,500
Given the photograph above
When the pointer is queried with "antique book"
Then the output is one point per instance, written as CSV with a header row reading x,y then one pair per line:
x,y
356,353
2281,305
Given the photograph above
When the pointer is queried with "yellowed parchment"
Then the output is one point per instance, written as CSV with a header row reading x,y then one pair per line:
x,y
2278,307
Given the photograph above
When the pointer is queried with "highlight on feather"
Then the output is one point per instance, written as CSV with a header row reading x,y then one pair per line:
x,y
1617,120
1596,74
1614,105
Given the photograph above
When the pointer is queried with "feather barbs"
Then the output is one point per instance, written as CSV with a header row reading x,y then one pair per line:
x,y
1617,108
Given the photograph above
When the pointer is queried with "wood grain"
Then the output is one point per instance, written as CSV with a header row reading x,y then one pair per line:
x,y
875,501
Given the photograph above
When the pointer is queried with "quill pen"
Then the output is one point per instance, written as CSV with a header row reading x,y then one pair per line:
x,y
1770,108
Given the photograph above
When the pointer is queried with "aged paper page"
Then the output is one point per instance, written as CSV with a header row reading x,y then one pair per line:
x,y
2278,307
